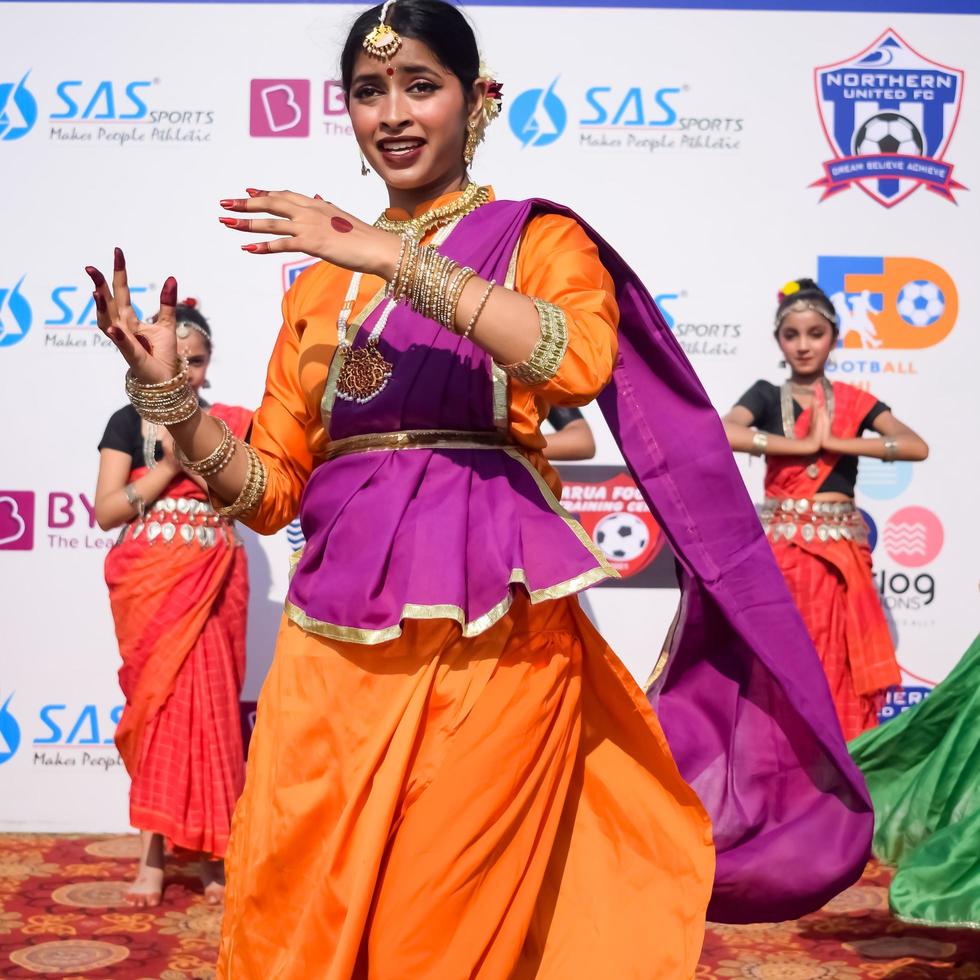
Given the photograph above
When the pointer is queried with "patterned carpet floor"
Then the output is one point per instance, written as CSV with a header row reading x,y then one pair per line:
x,y
62,915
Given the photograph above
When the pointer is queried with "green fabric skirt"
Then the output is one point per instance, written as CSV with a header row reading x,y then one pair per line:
x,y
923,773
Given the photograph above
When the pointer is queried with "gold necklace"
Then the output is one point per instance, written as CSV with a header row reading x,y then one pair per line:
x,y
473,197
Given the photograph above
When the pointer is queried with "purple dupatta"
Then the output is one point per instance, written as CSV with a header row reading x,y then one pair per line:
x,y
742,699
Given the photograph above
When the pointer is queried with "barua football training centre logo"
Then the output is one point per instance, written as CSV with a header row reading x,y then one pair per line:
x,y
888,114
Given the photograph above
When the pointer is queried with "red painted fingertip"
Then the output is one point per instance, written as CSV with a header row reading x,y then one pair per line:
x,y
118,260
97,278
255,192
316,197
168,295
229,222
230,202
100,303
341,224
250,248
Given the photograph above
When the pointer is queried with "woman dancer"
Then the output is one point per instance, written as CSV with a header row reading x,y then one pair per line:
x,y
923,773
178,587
811,432
451,774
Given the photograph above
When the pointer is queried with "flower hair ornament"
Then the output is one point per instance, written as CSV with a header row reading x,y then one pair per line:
x,y
382,42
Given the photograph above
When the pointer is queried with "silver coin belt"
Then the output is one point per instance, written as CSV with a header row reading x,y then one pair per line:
x,y
182,520
813,520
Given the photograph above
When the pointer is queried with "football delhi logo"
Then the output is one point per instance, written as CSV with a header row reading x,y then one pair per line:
x,y
888,114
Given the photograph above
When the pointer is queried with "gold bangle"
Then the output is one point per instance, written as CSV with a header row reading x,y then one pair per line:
x,y
759,443
479,309
543,363
163,402
136,501
252,490
891,450
215,461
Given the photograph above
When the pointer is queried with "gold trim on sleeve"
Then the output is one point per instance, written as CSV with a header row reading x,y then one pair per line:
x,y
545,360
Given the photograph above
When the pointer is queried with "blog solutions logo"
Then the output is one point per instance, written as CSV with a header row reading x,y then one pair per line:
x,y
18,110
913,537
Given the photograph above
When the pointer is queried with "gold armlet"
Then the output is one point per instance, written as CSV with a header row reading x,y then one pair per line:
x,y
546,358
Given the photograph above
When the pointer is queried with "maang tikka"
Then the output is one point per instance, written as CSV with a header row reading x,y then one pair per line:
x,y
382,42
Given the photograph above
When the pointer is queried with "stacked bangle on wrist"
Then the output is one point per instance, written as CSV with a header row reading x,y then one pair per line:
x,y
429,282
760,442
252,490
214,462
166,402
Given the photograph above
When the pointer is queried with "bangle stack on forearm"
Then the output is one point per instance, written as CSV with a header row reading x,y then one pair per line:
x,y
432,285
166,402
174,401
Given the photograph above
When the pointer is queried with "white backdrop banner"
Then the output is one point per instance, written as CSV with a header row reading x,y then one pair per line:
x,y
723,151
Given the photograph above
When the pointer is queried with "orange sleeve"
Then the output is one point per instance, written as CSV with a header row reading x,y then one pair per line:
x,y
279,431
559,263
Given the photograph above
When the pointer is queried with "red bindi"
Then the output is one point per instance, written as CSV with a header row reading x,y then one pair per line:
x,y
341,224
391,71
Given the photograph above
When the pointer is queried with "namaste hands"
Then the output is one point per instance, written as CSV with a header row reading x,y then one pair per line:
x,y
316,228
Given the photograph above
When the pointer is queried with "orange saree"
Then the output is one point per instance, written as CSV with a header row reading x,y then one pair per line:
x,y
178,589
829,576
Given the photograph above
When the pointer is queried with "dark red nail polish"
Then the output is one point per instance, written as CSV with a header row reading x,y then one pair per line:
x,y
316,197
118,260
341,224
250,248
100,304
229,222
95,276
231,202
168,295
255,192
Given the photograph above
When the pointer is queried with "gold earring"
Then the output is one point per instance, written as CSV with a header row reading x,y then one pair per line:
x,y
472,140
364,166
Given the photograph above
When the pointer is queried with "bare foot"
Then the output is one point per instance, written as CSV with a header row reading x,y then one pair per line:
x,y
213,879
146,891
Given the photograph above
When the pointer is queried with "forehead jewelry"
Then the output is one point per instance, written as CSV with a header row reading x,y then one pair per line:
x,y
382,42
185,327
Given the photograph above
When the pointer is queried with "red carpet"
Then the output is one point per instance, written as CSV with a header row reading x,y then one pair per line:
x,y
62,915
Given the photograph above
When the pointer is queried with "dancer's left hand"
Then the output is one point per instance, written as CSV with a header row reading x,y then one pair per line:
x,y
314,227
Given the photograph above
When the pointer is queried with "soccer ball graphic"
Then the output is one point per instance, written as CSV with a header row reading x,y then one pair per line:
x,y
622,537
921,303
888,132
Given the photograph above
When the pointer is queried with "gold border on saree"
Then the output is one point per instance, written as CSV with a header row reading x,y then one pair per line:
x,y
414,439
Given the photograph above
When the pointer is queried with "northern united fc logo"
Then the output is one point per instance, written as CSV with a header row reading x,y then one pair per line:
x,y
889,115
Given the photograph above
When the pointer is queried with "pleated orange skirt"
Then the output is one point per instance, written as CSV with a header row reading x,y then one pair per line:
x,y
443,808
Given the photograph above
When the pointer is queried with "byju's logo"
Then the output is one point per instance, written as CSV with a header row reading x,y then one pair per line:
x,y
16,520
15,315
886,302
9,733
913,537
888,114
18,110
538,117
280,107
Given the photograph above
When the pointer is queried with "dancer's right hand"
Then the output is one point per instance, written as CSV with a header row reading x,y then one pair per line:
x,y
150,348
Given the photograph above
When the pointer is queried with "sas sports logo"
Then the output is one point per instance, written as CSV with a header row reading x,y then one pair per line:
x,y
886,302
18,110
15,315
9,733
913,537
888,114
538,117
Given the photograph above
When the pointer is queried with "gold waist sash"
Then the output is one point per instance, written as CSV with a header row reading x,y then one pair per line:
x,y
416,439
